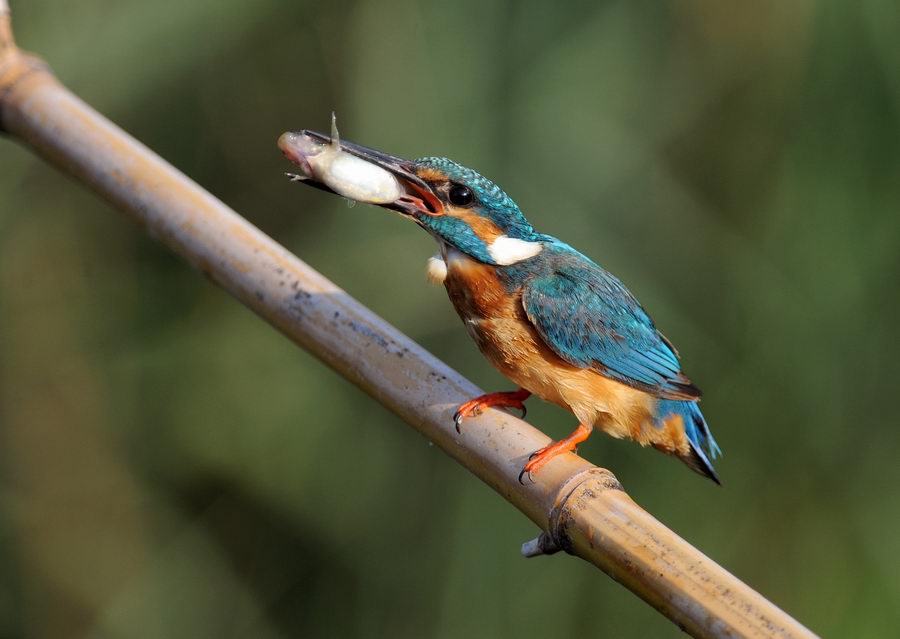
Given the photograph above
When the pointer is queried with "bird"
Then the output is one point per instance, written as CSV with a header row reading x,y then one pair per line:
x,y
550,319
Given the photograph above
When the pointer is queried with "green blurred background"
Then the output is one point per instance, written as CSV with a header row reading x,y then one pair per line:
x,y
173,467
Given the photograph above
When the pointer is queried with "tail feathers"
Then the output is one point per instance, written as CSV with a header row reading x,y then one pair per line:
x,y
703,447
699,462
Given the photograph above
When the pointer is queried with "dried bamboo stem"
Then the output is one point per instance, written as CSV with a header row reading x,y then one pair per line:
x,y
583,509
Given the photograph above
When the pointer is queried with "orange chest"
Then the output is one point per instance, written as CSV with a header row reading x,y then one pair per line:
x,y
476,290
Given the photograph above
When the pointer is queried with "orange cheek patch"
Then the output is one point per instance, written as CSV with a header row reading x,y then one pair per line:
x,y
484,228
430,175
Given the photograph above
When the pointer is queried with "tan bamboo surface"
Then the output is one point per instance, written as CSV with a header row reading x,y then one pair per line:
x,y
582,509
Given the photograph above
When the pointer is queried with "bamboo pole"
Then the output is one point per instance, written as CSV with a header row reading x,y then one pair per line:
x,y
582,509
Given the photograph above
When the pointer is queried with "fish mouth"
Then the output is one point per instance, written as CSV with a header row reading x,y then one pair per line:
x,y
417,198
296,147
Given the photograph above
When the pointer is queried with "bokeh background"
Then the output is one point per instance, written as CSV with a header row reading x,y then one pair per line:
x,y
172,467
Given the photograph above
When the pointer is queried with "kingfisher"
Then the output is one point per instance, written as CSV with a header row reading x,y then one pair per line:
x,y
546,316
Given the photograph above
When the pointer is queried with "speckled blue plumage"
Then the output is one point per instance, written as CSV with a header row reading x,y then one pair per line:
x,y
463,237
591,320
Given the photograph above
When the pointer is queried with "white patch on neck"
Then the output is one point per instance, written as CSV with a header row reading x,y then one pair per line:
x,y
436,269
507,250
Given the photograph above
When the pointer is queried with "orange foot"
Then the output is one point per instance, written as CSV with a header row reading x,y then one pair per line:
x,y
507,399
540,457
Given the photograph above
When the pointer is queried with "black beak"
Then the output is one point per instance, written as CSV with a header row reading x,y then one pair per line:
x,y
419,197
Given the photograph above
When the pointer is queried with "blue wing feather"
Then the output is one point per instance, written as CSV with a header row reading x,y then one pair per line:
x,y
588,318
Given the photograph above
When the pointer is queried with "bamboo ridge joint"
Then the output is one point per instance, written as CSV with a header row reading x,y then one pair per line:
x,y
581,509
555,538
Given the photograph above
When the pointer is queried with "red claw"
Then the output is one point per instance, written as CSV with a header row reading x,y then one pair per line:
x,y
540,457
507,399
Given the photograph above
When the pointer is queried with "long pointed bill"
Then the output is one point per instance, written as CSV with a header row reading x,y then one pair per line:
x,y
358,173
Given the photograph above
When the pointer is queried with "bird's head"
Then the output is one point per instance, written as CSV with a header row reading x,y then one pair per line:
x,y
459,207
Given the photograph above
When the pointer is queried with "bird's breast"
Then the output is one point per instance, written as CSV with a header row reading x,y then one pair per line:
x,y
495,318
476,290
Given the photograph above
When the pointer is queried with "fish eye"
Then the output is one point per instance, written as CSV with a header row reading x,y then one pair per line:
x,y
460,195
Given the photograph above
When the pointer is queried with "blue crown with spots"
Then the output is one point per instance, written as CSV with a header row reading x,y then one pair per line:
x,y
492,200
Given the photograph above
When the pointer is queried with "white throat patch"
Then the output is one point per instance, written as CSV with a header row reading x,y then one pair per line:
x,y
436,269
507,250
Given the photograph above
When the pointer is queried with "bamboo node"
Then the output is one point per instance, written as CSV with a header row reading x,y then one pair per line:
x,y
592,482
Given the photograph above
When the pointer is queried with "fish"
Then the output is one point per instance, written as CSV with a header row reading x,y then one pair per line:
x,y
344,173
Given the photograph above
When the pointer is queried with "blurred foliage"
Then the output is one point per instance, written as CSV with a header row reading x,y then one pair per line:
x,y
172,467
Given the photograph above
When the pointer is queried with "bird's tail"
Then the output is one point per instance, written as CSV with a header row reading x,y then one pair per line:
x,y
702,446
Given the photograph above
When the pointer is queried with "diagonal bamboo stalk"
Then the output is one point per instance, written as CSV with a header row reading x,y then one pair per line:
x,y
581,508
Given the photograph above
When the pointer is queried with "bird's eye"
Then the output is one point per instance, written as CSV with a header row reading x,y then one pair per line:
x,y
461,195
